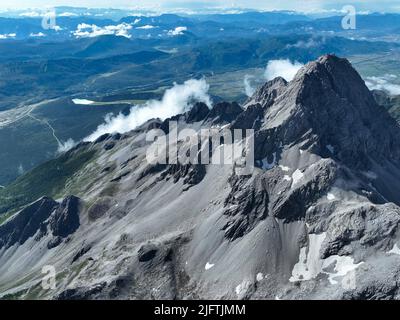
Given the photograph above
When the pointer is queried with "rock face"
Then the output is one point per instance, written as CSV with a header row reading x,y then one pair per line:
x,y
65,220
224,112
26,223
318,217
39,218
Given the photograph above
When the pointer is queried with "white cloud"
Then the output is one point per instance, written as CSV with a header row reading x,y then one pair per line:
x,y
310,43
383,83
21,169
176,100
282,68
56,28
64,147
30,14
91,30
248,88
7,36
177,31
37,35
67,14
146,27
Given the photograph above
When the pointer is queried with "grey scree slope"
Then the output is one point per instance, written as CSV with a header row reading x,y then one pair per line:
x,y
318,218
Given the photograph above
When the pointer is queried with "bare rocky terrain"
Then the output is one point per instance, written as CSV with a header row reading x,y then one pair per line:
x,y
317,218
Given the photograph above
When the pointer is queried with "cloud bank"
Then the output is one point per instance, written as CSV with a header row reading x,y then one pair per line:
x,y
383,83
37,35
67,14
282,68
91,30
8,36
146,27
178,31
176,100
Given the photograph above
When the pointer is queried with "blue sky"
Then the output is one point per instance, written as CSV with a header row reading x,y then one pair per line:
x,y
302,5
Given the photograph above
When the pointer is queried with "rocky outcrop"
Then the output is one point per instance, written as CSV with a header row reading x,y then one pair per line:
x,y
27,222
224,112
65,219
40,218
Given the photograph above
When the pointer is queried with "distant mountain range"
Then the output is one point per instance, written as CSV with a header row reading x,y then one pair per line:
x,y
29,26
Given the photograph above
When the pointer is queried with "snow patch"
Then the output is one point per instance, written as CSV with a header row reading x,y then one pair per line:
x,y
297,176
330,196
310,264
259,277
284,168
209,266
242,288
287,178
395,250
82,101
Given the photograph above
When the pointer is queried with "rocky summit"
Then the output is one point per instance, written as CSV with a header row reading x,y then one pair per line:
x,y
316,219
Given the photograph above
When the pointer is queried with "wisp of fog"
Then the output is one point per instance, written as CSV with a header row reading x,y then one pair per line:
x,y
176,100
282,68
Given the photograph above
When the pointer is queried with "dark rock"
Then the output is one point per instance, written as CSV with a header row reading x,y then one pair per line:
x,y
122,175
82,293
109,145
65,220
81,253
224,112
27,222
198,113
191,174
147,252
100,208
267,94
53,243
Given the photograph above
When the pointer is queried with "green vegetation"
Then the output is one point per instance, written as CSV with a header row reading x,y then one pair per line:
x,y
4,217
47,179
14,296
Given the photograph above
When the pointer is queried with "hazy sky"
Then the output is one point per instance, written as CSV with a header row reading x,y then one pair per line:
x,y
303,5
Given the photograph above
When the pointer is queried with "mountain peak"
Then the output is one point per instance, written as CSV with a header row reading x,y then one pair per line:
x,y
338,69
329,101
267,93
